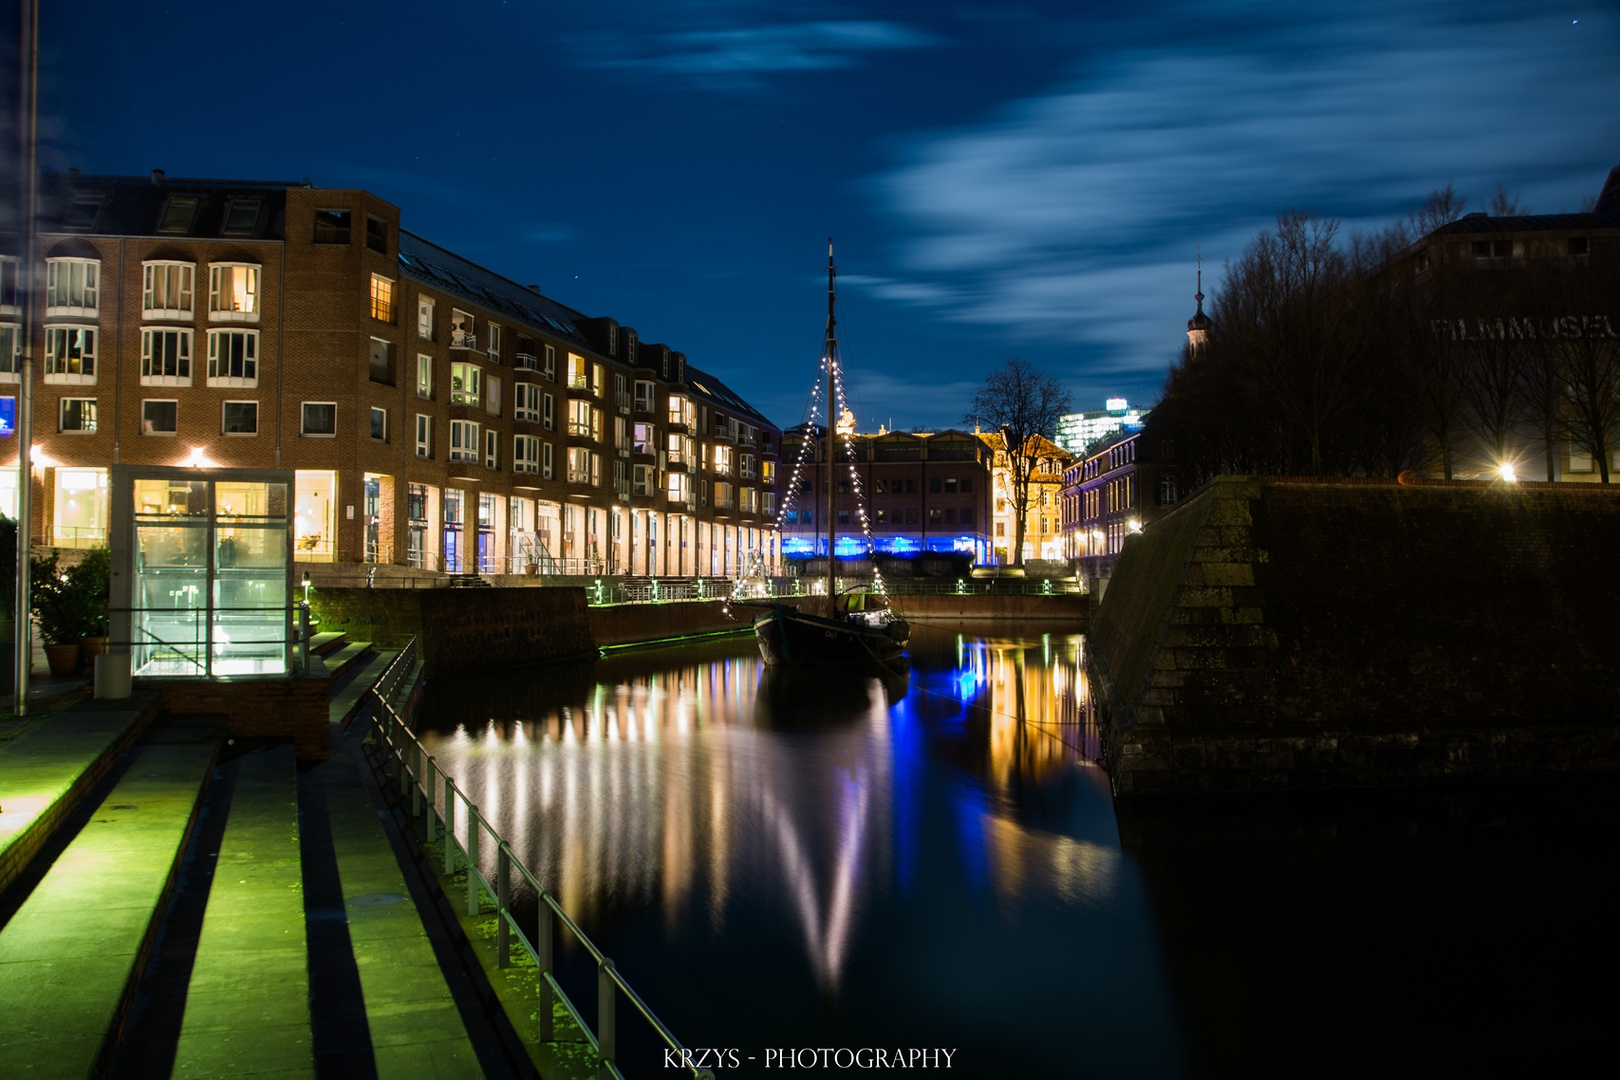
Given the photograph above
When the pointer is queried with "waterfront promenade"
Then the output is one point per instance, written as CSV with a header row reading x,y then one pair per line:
x,y
179,903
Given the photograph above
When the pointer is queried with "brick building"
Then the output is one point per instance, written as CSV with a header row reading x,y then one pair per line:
x,y
438,415
924,492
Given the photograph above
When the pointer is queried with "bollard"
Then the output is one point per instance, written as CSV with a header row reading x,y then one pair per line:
x,y
472,860
503,900
606,1035
542,949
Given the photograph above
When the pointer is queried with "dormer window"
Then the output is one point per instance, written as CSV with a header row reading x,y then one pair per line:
x,y
178,213
241,217
82,213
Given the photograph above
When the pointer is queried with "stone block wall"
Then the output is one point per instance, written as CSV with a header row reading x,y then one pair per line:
x,y
294,709
1305,633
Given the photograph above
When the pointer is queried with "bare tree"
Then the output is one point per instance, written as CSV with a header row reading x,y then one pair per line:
x,y
1022,405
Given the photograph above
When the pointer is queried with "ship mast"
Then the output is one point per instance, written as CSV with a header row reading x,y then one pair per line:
x,y
830,350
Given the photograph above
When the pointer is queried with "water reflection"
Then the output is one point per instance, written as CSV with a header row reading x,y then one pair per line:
x,y
732,803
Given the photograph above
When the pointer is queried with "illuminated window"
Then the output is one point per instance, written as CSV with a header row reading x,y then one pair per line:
x,y
233,292
382,299
233,358
240,418
461,330
78,416
70,354
465,382
165,357
72,286
332,226
579,418
578,373
579,465
159,417
166,290
318,419
424,376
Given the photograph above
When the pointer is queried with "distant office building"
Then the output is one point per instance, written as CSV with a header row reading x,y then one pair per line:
x,y
1078,432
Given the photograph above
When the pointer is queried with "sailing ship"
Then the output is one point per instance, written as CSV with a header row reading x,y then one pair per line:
x,y
856,628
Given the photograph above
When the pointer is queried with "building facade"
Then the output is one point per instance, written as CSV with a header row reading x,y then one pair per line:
x,y
921,493
1077,432
437,415
1043,524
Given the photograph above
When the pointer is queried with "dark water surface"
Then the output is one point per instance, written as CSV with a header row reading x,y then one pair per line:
x,y
782,860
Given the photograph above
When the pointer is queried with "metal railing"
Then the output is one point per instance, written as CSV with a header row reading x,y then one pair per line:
x,y
430,787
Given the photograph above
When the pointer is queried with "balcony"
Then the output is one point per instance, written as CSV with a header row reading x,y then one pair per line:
x,y
525,362
677,459
463,339
644,405
579,476
578,380
624,402
723,432
747,440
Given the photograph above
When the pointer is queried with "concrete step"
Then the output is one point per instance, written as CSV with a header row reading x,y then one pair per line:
x,y
70,956
347,698
246,1008
328,641
45,773
345,658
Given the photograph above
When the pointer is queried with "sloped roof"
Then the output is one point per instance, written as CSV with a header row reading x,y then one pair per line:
x,y
442,269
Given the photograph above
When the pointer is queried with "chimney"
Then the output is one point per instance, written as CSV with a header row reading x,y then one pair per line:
x,y
157,176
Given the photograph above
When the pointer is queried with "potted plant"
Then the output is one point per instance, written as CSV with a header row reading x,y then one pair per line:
x,y
60,607
92,578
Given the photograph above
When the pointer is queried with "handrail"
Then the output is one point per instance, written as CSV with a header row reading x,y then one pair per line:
x,y
413,762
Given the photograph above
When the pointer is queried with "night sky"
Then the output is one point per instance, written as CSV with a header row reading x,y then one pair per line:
x,y
1000,180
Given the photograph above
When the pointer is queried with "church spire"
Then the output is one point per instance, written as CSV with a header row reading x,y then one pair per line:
x,y
1199,325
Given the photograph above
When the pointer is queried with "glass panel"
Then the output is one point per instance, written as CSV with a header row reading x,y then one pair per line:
x,y
171,573
315,525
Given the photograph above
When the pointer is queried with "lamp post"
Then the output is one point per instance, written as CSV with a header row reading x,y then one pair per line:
x,y
28,281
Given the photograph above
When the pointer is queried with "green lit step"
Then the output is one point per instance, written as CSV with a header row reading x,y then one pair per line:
x,y
70,956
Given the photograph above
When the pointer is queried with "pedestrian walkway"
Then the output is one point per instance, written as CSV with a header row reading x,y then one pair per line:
x,y
70,953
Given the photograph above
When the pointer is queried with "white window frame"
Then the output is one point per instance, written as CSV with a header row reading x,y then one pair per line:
x,y
494,350
464,440
579,465
183,358
61,417
250,359
579,417
10,352
424,376
79,294
471,392
463,329
163,401
550,361
492,448
547,467
526,402
548,415
221,311
648,401
58,358
377,411
424,317
303,421
185,275
424,435
525,454
238,434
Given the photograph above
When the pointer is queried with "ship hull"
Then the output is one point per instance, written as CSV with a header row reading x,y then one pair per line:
x,y
789,636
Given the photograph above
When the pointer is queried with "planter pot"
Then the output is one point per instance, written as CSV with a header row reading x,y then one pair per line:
x,y
63,659
93,647
530,569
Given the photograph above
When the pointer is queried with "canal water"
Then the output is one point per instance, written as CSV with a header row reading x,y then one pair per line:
x,y
787,861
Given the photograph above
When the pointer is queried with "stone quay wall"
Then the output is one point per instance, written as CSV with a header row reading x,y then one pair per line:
x,y
1288,634
950,606
630,624
461,631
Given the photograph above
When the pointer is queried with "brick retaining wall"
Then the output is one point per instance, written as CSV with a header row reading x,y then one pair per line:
x,y
1278,634
296,709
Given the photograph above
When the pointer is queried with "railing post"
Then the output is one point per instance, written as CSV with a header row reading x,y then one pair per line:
x,y
449,827
606,1029
416,788
542,948
432,787
472,860
503,900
